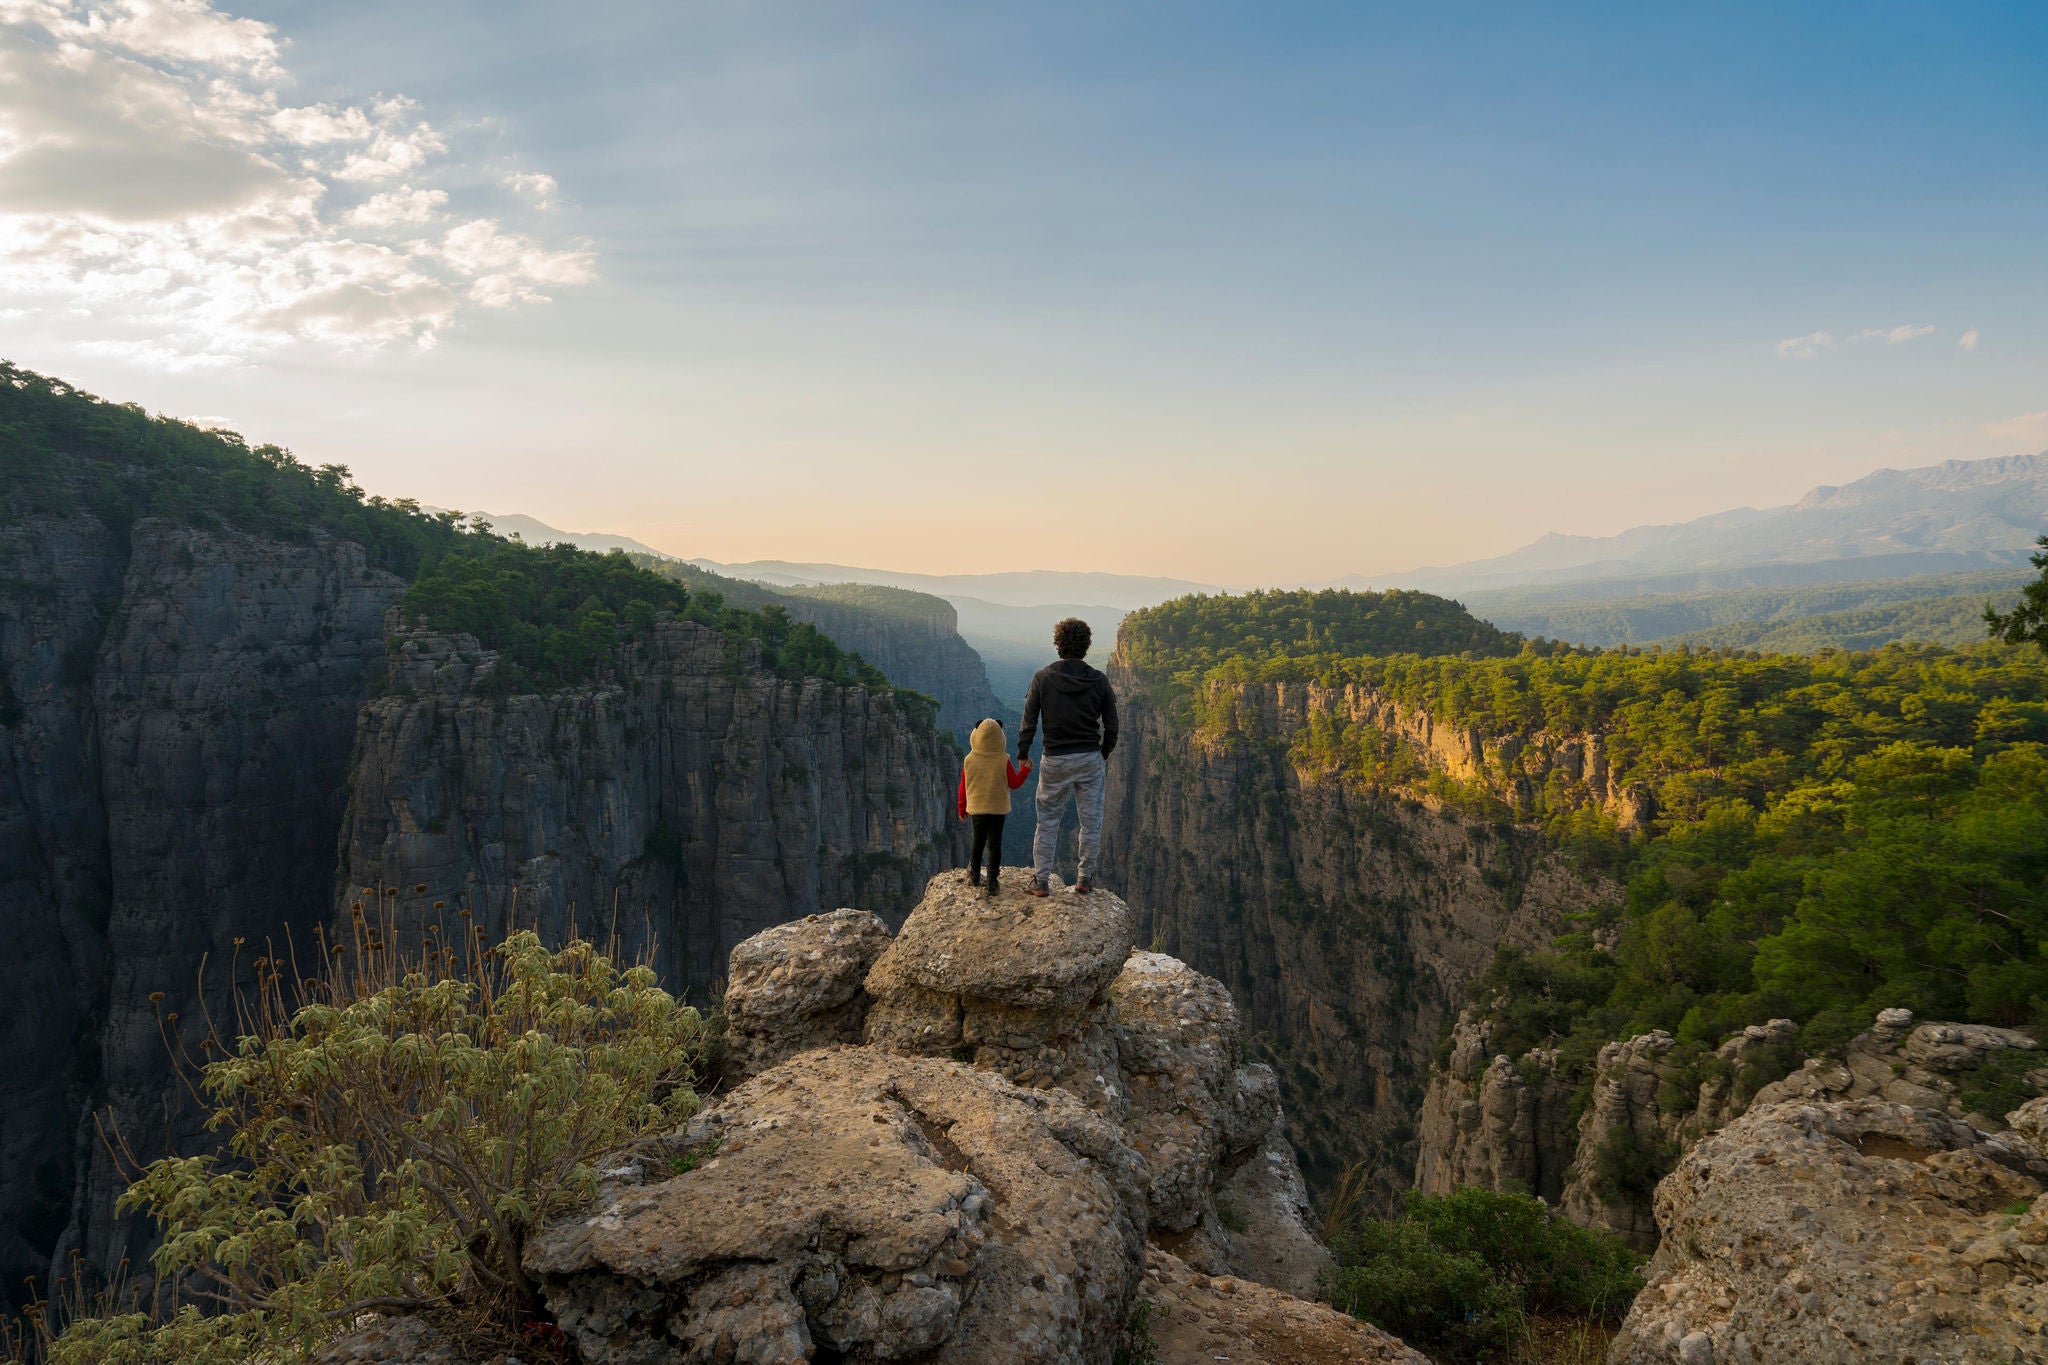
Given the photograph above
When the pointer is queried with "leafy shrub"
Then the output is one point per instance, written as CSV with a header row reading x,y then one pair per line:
x,y
395,1129
1623,1171
1461,1276
1137,1345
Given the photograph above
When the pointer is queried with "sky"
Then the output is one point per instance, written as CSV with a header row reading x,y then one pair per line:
x,y
1242,293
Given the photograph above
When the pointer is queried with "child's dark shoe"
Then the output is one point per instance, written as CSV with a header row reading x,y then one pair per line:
x,y
995,888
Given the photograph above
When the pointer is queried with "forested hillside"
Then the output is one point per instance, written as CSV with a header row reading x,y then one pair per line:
x,y
1177,642
556,612
1824,836
232,684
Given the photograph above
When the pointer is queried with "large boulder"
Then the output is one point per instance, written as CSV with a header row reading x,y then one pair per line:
x,y
1825,1234
1264,1208
1224,1193
798,986
872,1206
1015,983
1179,1047
1198,1319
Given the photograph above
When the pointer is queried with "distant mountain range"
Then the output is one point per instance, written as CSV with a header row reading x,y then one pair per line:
x,y
540,533
1952,517
1029,589
1744,574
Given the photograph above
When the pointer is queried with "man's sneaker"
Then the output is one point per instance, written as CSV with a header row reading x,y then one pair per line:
x,y
1040,889
1083,887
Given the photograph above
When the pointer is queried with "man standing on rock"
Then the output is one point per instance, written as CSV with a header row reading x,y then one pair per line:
x,y
1079,711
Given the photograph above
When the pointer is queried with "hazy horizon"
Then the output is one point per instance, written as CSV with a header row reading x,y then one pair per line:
x,y
1251,296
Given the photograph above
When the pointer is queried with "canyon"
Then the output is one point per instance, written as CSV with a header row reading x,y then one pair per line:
x,y
1348,923
215,740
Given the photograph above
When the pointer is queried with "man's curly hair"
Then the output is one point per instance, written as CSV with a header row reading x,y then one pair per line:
x,y
1072,637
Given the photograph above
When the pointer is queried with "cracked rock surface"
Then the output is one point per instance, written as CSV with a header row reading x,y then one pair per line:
x,y
798,986
873,1206
1199,1319
975,1183
1850,1231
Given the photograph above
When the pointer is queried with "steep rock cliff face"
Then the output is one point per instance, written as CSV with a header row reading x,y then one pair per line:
x,y
689,803
1347,923
1597,1155
923,653
179,706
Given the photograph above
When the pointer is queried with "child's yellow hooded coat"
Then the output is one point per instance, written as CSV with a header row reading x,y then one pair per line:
x,y
987,777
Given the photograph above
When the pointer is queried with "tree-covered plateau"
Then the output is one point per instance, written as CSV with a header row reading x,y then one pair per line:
x,y
556,615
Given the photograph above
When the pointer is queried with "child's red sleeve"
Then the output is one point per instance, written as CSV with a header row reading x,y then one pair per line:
x,y
1016,778
960,799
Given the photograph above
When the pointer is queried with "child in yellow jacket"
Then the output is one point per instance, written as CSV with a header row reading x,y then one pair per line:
x,y
987,777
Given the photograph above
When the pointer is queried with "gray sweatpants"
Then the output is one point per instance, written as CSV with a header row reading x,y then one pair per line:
x,y
1060,776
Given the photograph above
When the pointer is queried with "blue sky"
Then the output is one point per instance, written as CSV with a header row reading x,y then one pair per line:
x,y
1245,293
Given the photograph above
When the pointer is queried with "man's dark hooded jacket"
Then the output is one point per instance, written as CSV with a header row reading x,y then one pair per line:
x,y
1077,707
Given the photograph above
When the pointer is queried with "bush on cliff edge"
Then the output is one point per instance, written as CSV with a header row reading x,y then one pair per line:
x,y
395,1128
1463,1276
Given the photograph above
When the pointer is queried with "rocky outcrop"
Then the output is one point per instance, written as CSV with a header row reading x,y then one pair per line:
x,y
1848,1231
1225,1192
1198,1319
1506,1124
1930,1066
1008,982
1346,923
1490,1122
176,711
688,803
799,986
876,1206
976,1182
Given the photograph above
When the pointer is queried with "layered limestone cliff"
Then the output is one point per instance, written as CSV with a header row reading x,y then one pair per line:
x,y
1346,922
178,710
1595,1149
687,803
187,737
977,1180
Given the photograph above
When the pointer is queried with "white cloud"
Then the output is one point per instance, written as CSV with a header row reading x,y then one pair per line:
x,y
2029,430
401,207
505,268
153,182
188,33
536,187
316,125
1896,336
1968,340
399,146
1806,347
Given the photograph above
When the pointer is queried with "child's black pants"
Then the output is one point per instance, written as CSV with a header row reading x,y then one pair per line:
x,y
988,834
